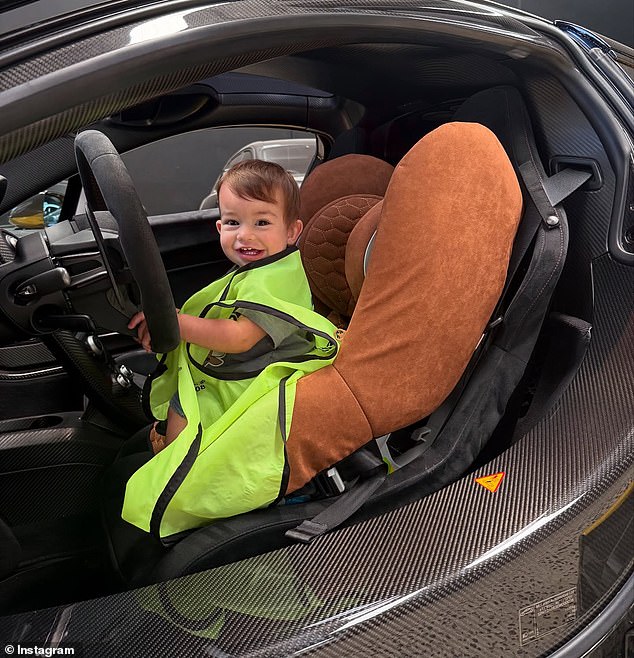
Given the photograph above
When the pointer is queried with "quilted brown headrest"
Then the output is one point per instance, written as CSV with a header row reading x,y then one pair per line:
x,y
337,193
323,247
343,176
438,266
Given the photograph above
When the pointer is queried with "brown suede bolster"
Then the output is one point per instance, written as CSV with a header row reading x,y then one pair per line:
x,y
437,269
327,422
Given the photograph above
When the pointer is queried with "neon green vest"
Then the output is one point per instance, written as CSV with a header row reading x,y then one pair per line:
x,y
231,457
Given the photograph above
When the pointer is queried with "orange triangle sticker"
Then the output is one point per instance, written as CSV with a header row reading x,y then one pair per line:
x,y
491,482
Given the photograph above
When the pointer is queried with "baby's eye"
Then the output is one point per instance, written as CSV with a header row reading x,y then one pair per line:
x,y
263,222
230,222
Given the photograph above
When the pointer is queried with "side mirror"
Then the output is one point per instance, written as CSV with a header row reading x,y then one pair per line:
x,y
41,210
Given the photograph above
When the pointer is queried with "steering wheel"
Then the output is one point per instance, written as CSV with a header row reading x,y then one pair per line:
x,y
108,187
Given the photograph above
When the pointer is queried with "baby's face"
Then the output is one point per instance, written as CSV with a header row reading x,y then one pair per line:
x,y
251,229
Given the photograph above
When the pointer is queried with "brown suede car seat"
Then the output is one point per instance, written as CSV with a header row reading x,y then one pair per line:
x,y
334,197
440,255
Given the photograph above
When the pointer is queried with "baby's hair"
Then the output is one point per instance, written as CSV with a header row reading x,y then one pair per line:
x,y
258,179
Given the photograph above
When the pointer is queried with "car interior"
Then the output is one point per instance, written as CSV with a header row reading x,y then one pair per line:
x,y
449,378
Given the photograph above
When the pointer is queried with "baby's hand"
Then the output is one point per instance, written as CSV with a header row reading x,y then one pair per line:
x,y
157,440
143,333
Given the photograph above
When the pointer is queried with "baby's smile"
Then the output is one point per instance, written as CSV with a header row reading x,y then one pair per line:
x,y
249,253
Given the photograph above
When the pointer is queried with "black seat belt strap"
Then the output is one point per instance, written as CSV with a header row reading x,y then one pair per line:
x,y
338,511
544,193
564,183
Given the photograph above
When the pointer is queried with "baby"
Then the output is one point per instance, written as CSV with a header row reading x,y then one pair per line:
x,y
259,207
227,391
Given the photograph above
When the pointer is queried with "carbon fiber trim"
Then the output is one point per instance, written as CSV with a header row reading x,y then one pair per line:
x,y
48,493
24,355
30,374
193,18
50,467
20,141
121,404
463,572
564,130
322,24
6,250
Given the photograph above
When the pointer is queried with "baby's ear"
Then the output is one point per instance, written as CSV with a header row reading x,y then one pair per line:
x,y
218,225
294,231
